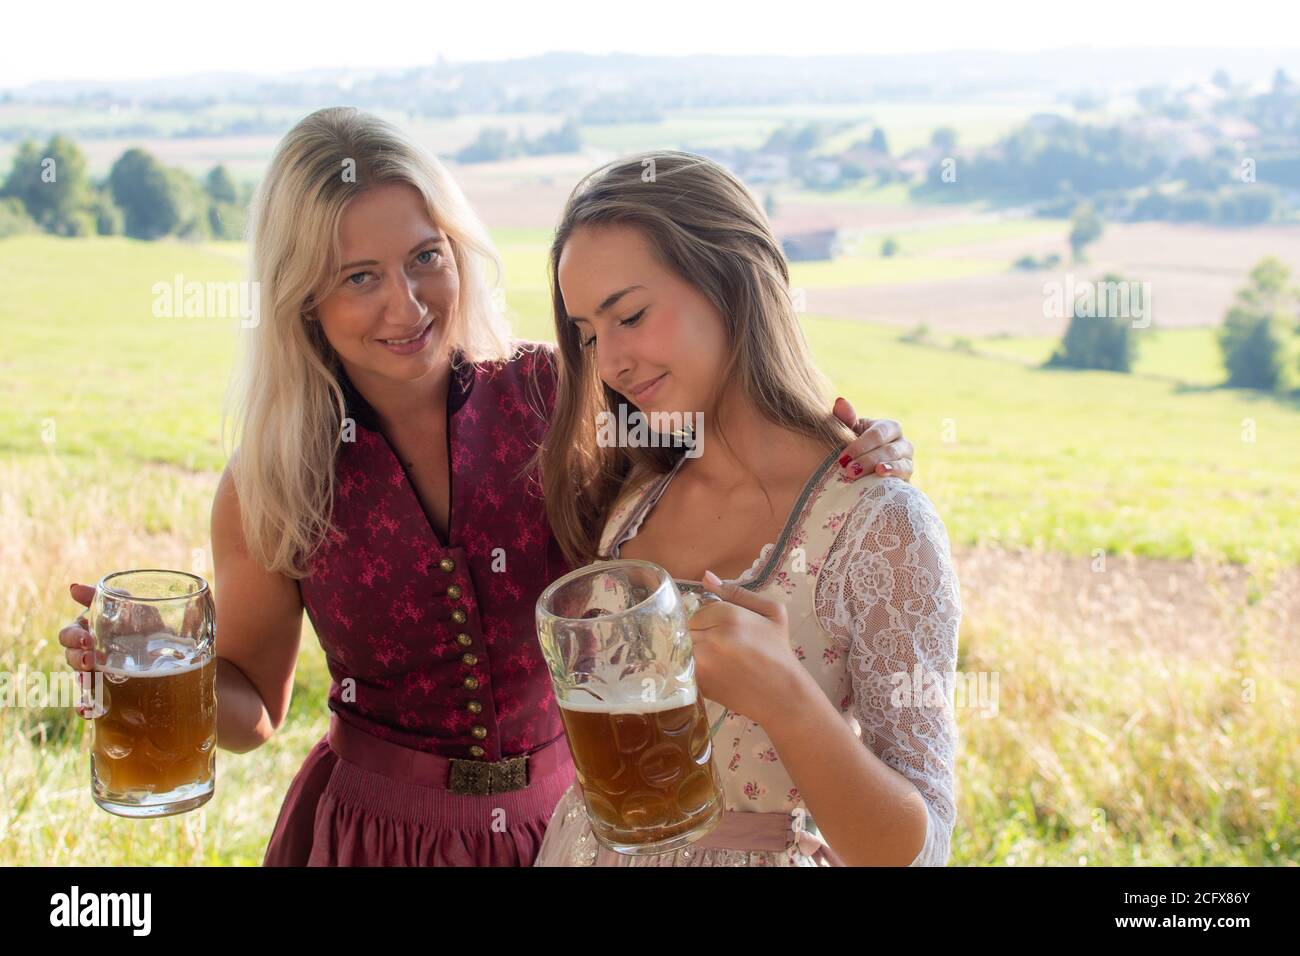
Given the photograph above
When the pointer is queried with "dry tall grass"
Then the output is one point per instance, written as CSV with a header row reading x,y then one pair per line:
x,y
1145,712
1146,715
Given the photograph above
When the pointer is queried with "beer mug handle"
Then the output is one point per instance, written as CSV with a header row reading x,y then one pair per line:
x,y
692,602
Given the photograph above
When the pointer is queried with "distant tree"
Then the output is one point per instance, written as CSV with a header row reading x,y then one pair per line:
x,y
53,186
1243,205
146,195
192,205
24,176
917,335
778,141
792,139
889,247
227,220
769,204
1030,263
1054,161
1087,100
220,186
14,220
1251,336
1099,336
1152,205
71,194
1191,207
944,137
878,141
1151,98
1201,172
1085,227
108,218
226,204
1222,80
808,138
566,138
491,145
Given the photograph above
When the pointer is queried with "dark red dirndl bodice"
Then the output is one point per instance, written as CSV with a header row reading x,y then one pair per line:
x,y
439,637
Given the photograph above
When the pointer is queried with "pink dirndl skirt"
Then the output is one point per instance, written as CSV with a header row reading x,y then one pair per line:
x,y
361,801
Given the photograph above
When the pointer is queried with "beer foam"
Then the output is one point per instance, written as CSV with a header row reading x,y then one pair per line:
x,y
122,673
153,655
683,696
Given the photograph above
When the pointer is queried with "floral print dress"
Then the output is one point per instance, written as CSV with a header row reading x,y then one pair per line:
x,y
865,571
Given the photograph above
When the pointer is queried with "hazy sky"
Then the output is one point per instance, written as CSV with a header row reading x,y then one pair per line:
x,y
104,40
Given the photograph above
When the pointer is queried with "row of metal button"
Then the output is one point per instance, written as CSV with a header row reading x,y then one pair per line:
x,y
469,660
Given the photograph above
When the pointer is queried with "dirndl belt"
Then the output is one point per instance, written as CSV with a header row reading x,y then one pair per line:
x,y
756,832
445,773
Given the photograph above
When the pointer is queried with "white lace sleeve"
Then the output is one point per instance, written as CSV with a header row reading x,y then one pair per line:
x,y
887,592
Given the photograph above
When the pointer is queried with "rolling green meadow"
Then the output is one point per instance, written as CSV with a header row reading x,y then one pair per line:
x,y
1128,548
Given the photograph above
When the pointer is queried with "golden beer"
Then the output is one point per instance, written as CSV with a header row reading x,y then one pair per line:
x,y
647,776
615,638
155,740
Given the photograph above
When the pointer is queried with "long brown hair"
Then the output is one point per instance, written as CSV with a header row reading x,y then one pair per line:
x,y
706,227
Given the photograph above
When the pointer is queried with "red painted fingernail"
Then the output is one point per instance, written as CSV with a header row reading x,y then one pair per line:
x,y
844,461
857,469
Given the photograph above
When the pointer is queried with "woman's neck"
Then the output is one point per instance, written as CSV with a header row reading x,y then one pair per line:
x,y
758,452
400,403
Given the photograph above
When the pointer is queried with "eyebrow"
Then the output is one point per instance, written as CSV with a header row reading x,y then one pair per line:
x,y
610,300
375,262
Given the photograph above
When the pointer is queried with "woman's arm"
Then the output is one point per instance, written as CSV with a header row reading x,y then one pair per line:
x,y
869,813
888,592
259,625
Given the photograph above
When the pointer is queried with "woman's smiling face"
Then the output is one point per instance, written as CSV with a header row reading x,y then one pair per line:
x,y
399,282
659,341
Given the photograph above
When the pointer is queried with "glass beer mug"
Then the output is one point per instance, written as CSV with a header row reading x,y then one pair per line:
x,y
615,641
155,721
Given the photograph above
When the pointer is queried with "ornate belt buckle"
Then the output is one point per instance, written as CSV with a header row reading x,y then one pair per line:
x,y
510,774
483,778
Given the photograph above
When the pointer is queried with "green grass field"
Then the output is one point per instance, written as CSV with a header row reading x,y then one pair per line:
x,y
1074,460
110,451
1190,356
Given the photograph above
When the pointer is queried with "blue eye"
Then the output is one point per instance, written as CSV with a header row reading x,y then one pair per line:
x,y
418,256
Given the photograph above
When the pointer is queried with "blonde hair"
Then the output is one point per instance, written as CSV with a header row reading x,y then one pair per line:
x,y
706,227
288,401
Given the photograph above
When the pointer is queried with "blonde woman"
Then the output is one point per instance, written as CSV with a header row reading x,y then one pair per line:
x,y
671,295
381,483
